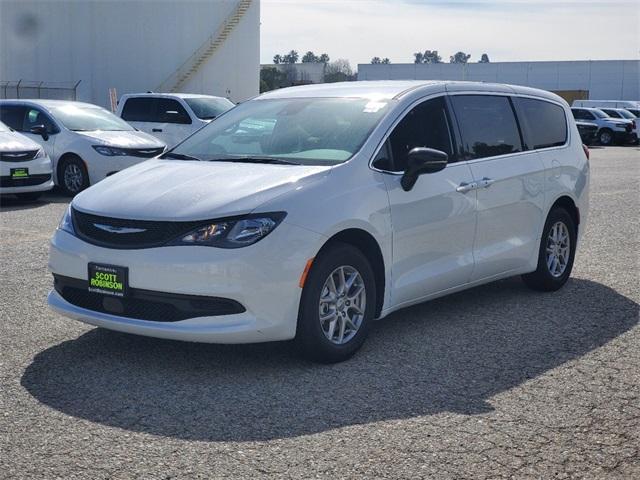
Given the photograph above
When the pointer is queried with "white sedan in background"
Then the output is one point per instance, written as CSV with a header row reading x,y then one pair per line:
x,y
86,143
25,168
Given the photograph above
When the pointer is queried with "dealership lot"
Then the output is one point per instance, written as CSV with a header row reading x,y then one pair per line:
x,y
496,381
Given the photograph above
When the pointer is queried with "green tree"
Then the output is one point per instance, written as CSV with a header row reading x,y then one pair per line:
x,y
429,56
310,57
459,57
324,58
338,71
484,59
272,78
277,59
385,61
376,61
291,57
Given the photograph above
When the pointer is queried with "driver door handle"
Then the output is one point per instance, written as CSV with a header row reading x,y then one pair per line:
x,y
466,187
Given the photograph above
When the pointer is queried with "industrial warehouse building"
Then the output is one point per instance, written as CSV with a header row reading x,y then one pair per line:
x,y
598,79
78,49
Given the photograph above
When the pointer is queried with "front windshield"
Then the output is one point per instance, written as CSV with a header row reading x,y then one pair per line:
x,y
310,131
208,108
599,113
81,118
4,128
626,114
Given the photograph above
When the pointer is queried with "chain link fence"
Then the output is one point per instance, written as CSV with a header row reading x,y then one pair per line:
x,y
34,89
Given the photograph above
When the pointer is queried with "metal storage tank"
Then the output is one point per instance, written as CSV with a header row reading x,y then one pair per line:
x,y
196,46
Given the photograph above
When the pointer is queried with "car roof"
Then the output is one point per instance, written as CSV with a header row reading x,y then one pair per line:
x,y
169,95
48,104
395,89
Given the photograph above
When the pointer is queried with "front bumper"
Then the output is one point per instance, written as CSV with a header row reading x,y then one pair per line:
x,y
625,137
263,278
39,180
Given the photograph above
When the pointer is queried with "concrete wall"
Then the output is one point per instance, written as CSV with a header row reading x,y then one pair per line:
x,y
130,45
604,79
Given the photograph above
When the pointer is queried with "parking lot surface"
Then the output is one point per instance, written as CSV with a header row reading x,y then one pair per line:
x,y
497,381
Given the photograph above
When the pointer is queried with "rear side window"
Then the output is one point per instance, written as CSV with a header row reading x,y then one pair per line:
x,y
488,125
138,110
13,116
545,123
612,113
171,111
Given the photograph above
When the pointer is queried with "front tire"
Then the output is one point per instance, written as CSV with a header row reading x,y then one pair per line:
x,y
605,137
73,176
337,305
556,254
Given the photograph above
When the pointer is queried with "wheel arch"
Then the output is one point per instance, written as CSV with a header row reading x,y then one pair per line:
x,y
61,161
368,245
566,202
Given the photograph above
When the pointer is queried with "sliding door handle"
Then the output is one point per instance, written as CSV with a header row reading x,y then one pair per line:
x,y
486,182
466,187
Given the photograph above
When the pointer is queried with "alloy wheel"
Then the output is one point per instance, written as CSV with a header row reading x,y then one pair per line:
x,y
342,304
558,249
73,177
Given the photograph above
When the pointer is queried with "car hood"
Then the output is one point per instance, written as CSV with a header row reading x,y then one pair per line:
x,y
14,142
126,139
179,190
623,121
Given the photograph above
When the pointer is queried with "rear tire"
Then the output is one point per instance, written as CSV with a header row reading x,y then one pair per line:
x,y
29,196
337,305
72,175
605,137
556,254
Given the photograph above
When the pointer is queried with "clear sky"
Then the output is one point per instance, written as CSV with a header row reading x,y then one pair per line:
x,y
507,30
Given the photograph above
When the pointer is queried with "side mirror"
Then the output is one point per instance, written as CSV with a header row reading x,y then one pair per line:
x,y
40,130
421,161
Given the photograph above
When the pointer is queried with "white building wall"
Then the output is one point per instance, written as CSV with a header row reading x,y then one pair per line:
x,y
604,79
130,45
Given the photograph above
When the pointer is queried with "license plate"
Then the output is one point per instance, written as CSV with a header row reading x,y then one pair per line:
x,y
19,173
108,279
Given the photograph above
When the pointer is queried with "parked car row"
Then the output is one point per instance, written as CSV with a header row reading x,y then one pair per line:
x,y
607,121
79,144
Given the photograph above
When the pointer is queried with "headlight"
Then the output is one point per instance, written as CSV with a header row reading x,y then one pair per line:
x,y
40,154
110,151
66,222
234,233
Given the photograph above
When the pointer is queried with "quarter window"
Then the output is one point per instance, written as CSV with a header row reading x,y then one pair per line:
x,y
426,125
545,122
488,125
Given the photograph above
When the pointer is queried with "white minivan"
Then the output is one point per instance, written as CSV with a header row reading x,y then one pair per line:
x,y
85,142
171,117
308,212
25,168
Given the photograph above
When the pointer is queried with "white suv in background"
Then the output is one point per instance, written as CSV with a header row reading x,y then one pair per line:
x,y
25,168
171,117
86,143
610,130
310,211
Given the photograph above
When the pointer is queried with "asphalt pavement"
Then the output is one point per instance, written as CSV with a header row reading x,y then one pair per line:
x,y
495,382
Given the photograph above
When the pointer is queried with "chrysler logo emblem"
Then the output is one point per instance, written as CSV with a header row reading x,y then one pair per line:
x,y
112,229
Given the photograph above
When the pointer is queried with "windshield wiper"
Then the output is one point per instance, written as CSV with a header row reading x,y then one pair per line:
x,y
250,159
179,156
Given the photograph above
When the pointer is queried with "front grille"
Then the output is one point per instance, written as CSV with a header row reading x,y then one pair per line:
x,y
144,152
95,229
145,304
18,156
29,181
